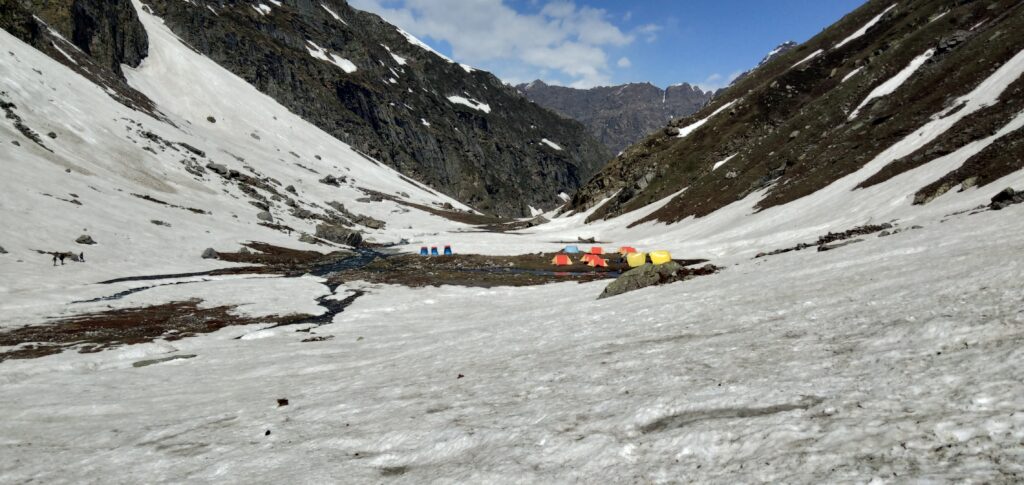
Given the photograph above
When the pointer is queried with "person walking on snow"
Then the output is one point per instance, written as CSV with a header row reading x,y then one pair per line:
x,y
62,259
55,259
81,257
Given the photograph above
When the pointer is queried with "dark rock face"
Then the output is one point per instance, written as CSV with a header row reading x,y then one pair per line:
x,y
619,115
1006,198
338,234
107,30
459,130
788,127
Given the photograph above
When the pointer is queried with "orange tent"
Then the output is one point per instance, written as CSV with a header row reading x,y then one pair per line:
x,y
597,250
561,260
627,250
597,262
587,257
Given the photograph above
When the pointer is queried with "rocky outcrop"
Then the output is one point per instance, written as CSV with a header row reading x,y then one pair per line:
x,y
651,275
1006,198
85,239
338,234
457,129
619,115
109,31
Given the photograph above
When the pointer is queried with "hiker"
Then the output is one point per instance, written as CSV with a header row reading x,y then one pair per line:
x,y
55,259
81,257
62,259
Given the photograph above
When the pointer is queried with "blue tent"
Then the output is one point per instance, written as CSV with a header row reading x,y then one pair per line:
x,y
447,250
433,251
423,251
571,250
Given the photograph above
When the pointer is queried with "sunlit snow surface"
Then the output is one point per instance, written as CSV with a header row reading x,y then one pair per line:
x,y
893,83
893,359
863,30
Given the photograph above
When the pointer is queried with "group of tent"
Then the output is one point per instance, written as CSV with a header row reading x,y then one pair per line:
x,y
594,259
434,252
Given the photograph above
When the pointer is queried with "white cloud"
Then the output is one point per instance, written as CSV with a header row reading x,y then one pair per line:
x,y
649,32
561,37
624,62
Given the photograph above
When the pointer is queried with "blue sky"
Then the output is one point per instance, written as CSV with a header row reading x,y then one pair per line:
x,y
601,42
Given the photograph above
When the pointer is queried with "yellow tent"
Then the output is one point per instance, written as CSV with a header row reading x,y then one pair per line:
x,y
660,257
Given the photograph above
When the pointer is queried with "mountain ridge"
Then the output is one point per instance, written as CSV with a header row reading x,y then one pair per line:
x,y
618,115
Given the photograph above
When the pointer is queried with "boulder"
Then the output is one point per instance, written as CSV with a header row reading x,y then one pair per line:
x,y
306,238
330,180
2,250
209,253
220,168
265,216
642,277
85,239
1006,198
339,234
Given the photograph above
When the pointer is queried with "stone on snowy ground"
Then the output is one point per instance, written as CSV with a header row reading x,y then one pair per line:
x,y
265,216
1006,198
836,245
85,239
148,362
306,238
2,250
210,253
331,180
641,277
338,234
282,402
650,275
218,167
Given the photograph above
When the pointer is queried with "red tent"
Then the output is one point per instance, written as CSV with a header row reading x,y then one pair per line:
x,y
627,250
597,262
597,250
587,257
561,260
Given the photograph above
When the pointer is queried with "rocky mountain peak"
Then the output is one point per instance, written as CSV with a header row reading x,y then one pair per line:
x,y
618,115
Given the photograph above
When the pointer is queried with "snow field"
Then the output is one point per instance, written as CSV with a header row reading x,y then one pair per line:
x,y
781,369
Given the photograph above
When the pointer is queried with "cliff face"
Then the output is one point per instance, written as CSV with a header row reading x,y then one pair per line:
x,y
452,127
619,115
893,84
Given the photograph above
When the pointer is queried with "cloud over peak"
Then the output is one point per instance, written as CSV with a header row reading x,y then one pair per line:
x,y
561,39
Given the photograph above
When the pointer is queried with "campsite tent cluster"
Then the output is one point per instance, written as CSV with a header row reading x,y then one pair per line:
x,y
593,256
434,252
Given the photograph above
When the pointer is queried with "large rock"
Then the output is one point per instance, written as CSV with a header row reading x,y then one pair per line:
x,y
210,253
265,216
339,234
2,250
642,277
85,239
650,275
1006,198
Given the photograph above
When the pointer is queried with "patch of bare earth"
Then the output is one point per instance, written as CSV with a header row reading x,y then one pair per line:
x,y
95,332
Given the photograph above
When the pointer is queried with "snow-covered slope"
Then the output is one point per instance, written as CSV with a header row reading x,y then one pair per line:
x,y
90,178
